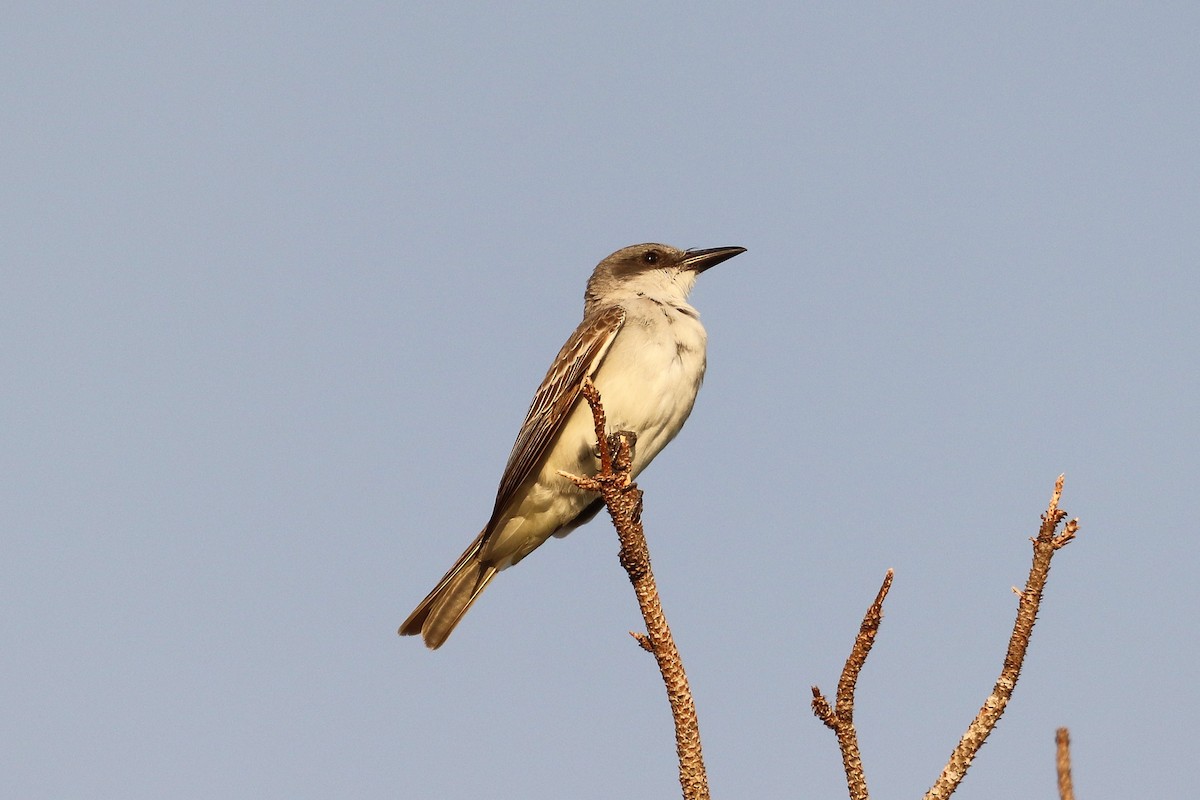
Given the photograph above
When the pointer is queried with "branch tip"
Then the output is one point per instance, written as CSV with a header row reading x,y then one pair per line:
x,y
1062,741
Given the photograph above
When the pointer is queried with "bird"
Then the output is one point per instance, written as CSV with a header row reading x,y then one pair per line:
x,y
643,347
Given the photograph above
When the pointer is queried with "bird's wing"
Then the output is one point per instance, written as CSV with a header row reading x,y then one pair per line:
x,y
579,358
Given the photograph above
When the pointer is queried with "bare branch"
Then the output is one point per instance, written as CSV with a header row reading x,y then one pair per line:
x,y
862,648
624,502
841,719
1062,740
1047,543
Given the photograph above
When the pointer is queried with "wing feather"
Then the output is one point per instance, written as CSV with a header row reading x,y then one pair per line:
x,y
580,357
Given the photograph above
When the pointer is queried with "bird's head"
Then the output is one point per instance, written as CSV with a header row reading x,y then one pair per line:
x,y
652,270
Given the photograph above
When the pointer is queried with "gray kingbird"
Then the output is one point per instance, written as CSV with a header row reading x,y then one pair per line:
x,y
644,348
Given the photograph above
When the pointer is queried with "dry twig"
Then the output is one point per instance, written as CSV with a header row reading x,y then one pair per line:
x,y
624,502
1062,740
1047,543
841,719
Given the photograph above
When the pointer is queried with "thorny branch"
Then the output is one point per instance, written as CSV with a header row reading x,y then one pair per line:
x,y
1047,543
624,501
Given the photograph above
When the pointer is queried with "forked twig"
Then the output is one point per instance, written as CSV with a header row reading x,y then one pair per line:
x,y
841,718
624,501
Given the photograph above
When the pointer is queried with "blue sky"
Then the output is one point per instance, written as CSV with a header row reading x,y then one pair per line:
x,y
280,283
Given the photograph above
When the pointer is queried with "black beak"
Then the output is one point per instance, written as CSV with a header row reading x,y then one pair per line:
x,y
700,260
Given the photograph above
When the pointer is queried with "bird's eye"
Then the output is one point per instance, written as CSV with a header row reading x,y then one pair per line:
x,y
651,257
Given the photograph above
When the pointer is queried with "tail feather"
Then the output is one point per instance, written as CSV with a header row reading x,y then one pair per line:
x,y
439,613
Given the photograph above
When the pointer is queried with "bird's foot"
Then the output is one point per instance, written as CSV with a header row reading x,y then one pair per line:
x,y
614,442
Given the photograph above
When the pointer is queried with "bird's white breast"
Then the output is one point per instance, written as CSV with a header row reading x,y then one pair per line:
x,y
649,379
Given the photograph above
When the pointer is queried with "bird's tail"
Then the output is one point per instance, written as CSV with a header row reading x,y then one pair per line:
x,y
441,610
